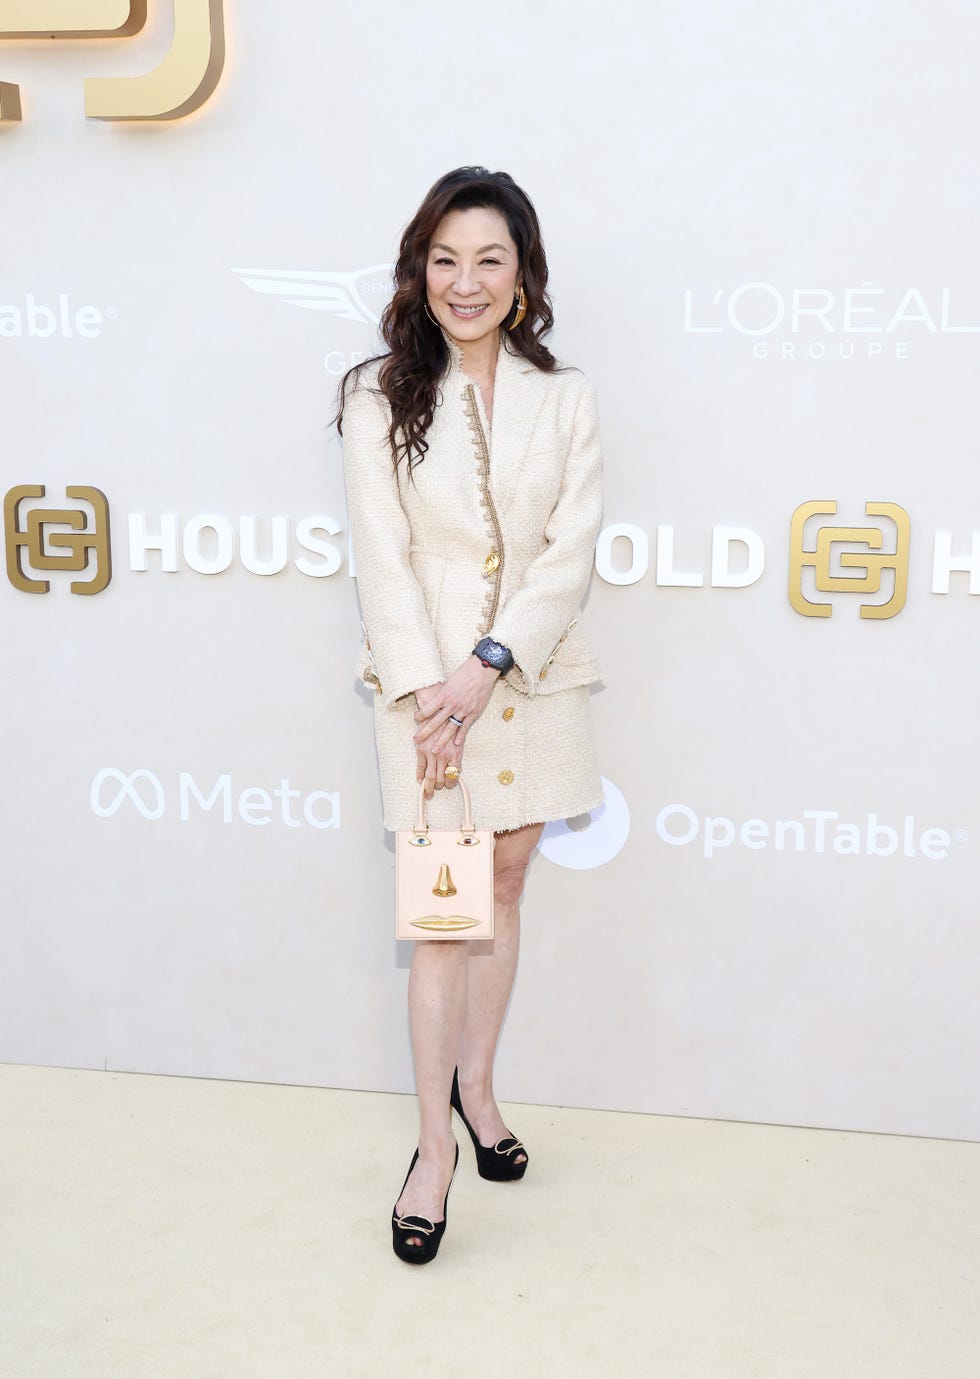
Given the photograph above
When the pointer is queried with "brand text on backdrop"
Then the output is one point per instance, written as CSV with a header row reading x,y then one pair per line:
x,y
813,316
144,791
829,558
816,831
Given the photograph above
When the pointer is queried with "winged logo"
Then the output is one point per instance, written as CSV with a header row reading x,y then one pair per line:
x,y
356,296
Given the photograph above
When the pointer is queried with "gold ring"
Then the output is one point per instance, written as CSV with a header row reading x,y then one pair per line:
x,y
452,772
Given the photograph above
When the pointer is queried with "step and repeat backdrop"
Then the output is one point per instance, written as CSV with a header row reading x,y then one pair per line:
x,y
762,225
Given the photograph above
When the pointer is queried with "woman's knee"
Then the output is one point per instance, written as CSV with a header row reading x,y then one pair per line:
x,y
508,882
512,853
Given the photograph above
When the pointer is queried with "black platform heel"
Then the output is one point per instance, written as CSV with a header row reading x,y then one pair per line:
x,y
494,1162
430,1232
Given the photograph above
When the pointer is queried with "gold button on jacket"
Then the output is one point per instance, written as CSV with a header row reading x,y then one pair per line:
x,y
506,778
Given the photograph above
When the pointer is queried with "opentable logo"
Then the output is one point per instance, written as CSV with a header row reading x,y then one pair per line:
x,y
56,318
815,831
589,840
142,791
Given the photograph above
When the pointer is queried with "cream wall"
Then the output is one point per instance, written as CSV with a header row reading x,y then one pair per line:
x,y
762,223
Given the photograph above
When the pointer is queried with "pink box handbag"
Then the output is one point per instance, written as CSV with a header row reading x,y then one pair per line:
x,y
444,878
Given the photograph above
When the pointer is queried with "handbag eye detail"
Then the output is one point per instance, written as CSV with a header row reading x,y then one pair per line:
x,y
461,869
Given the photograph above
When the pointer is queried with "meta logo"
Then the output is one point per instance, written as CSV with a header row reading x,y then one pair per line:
x,y
179,84
142,792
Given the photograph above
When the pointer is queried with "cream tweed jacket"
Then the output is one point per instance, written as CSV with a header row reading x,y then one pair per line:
x,y
493,535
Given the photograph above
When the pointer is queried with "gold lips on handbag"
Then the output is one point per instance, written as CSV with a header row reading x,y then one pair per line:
x,y
444,878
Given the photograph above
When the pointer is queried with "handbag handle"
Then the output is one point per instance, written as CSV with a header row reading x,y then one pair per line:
x,y
421,824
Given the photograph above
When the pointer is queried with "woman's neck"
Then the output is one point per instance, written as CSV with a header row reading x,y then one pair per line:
x,y
479,358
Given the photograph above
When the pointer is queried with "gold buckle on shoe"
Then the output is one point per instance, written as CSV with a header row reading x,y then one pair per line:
x,y
407,1223
504,1152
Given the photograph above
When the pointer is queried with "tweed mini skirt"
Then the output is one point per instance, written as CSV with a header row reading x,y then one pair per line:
x,y
526,760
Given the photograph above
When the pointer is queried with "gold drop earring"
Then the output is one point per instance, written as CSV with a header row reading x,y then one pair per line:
x,y
521,303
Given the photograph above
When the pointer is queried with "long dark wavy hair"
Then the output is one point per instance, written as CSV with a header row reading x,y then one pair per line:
x,y
418,356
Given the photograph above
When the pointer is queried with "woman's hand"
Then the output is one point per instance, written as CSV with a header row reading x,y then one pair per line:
x,y
431,766
439,742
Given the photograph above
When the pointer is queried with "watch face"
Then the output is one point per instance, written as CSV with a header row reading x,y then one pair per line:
x,y
498,656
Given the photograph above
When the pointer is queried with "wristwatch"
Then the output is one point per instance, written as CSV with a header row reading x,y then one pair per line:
x,y
492,654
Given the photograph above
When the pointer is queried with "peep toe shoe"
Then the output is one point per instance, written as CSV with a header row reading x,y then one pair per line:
x,y
429,1233
496,1161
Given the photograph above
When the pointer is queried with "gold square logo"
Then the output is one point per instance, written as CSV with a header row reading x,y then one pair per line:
x,y
857,571
181,83
26,534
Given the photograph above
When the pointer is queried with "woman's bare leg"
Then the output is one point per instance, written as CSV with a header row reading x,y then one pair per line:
x,y
489,978
436,1005
457,998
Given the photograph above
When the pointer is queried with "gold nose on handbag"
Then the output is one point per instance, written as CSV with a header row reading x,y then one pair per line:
x,y
444,886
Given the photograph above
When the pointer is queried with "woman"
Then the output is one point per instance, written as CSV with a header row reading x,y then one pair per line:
x,y
473,480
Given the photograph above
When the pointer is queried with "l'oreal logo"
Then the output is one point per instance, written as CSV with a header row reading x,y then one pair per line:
x,y
761,308
181,83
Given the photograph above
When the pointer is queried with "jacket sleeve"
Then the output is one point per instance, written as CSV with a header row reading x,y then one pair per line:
x,y
402,641
539,614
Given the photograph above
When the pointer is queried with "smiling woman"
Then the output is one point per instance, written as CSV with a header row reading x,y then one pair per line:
x,y
472,285
474,491
410,375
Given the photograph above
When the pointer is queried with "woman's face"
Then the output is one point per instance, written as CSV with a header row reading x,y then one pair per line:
x,y
472,273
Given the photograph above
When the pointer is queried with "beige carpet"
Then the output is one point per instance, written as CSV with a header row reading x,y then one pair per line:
x,y
177,1228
